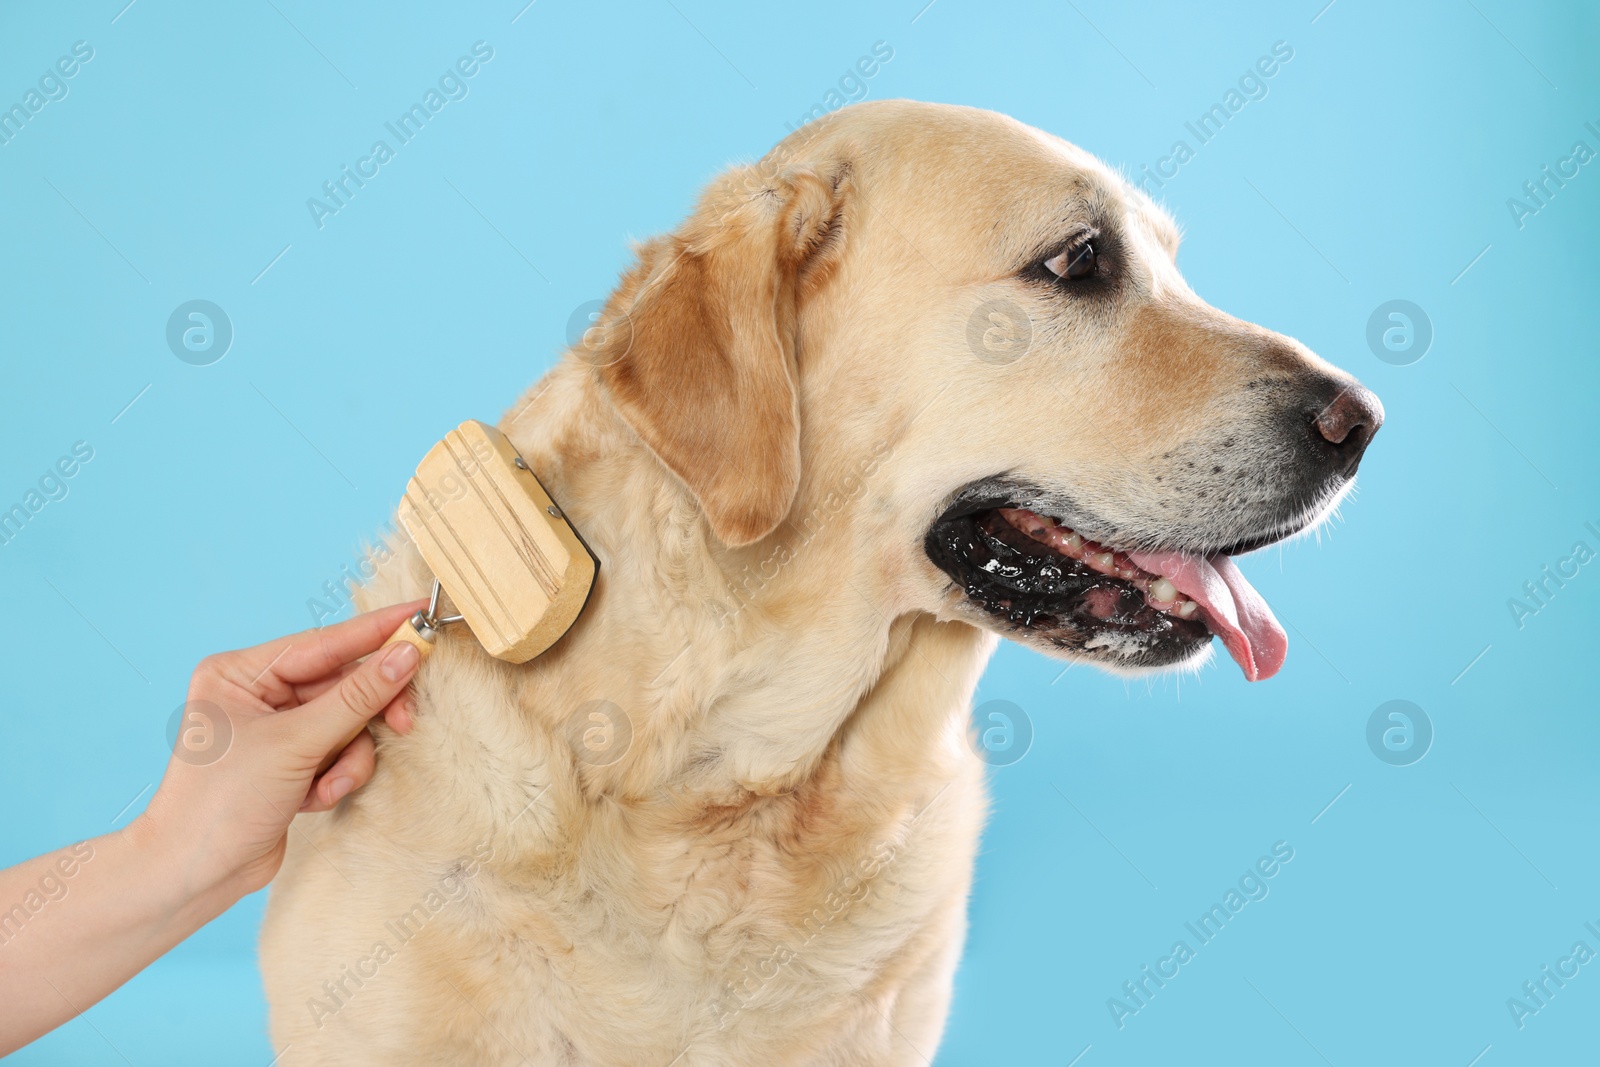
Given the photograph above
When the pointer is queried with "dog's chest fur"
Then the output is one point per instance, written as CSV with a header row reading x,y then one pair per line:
x,y
490,898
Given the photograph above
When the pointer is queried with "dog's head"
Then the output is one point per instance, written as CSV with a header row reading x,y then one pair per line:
x,y
975,336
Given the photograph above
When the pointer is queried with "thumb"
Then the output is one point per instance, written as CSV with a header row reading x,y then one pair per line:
x,y
332,719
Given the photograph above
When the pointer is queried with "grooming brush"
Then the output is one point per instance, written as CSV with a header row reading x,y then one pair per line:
x,y
516,571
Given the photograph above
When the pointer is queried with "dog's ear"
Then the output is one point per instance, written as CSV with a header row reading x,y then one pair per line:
x,y
699,339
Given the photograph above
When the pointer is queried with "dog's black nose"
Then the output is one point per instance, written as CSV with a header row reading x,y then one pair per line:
x,y
1343,423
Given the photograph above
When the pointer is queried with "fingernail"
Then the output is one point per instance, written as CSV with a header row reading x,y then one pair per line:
x,y
400,660
339,788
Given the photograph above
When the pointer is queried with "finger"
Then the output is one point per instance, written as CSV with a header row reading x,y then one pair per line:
x,y
315,653
295,695
401,712
279,695
308,691
311,654
352,770
332,719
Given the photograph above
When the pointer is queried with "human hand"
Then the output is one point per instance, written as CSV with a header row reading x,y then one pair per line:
x,y
277,712
217,827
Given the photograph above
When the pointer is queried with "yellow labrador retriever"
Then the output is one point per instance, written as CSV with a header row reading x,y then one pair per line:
x,y
922,376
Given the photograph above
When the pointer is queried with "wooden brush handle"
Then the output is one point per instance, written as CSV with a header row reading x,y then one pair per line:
x,y
407,631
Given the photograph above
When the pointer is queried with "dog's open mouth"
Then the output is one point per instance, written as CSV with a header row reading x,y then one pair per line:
x,y
1134,608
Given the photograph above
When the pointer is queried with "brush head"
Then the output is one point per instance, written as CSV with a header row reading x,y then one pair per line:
x,y
515,569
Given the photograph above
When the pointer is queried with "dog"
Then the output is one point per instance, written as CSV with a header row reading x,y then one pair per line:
x,y
921,378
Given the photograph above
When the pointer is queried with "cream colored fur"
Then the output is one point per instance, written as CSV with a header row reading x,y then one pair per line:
x,y
776,870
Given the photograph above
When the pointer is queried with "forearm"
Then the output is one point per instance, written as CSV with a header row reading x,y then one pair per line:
x,y
77,923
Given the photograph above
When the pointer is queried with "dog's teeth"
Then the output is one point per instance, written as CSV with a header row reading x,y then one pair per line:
x,y
1187,608
1048,521
1074,540
1162,591
1103,562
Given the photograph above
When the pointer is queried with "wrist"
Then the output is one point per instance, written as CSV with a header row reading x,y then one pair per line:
x,y
192,886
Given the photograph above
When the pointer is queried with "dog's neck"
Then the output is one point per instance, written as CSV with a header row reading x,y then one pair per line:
x,y
737,669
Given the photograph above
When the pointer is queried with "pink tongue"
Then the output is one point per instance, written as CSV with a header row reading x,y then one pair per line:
x,y
1234,610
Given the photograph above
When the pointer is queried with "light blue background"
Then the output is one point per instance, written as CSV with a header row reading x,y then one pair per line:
x,y
1378,167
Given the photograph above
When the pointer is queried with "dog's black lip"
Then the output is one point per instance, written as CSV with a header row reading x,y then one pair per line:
x,y
1253,544
1039,595
960,509
983,495
1005,574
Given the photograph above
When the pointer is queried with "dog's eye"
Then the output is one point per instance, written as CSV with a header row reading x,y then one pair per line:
x,y
1076,261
